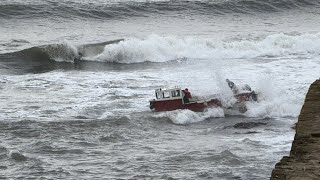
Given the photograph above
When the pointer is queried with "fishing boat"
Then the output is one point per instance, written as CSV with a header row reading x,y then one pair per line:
x,y
170,99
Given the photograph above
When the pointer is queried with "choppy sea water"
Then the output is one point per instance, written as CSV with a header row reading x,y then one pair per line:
x,y
91,120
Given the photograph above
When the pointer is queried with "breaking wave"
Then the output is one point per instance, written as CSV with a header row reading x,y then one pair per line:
x,y
161,49
141,8
62,52
49,57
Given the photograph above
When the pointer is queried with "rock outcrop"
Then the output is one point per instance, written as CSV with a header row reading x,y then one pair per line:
x,y
304,160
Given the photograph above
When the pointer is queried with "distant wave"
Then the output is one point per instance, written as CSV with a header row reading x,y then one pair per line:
x,y
126,9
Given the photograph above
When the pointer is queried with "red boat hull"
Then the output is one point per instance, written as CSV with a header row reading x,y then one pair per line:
x,y
170,105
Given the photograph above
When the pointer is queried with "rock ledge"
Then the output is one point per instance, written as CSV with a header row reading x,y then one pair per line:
x,y
304,160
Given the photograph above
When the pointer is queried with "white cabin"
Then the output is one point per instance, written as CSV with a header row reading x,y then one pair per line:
x,y
168,94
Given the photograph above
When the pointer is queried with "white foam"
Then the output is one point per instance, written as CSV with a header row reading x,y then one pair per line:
x,y
155,48
187,116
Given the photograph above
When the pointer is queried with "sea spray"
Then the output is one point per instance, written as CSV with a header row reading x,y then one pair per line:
x,y
273,101
64,52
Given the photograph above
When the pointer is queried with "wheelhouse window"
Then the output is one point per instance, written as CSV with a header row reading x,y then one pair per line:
x,y
175,93
166,94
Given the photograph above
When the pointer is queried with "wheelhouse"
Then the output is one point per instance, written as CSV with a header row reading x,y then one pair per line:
x,y
168,94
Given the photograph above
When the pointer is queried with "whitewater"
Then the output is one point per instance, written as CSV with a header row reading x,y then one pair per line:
x,y
61,119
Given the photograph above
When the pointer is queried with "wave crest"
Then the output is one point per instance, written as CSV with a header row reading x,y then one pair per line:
x,y
156,48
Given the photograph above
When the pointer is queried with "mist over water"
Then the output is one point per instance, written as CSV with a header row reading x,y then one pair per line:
x,y
91,119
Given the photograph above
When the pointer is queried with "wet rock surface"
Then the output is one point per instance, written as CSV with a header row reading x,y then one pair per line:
x,y
304,159
248,125
16,155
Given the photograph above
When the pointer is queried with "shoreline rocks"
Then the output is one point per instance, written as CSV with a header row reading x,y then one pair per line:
x,y
304,160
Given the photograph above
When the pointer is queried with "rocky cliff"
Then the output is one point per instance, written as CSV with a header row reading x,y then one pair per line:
x,y
304,159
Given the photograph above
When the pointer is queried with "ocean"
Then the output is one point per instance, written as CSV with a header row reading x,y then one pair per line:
x,y
90,119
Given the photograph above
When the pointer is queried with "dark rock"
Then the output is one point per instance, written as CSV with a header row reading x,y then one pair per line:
x,y
16,155
248,125
304,159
